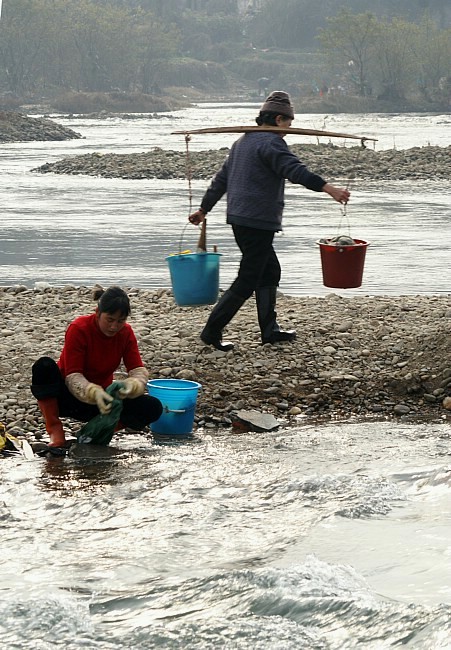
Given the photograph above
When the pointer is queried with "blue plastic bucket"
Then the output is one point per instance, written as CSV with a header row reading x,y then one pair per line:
x,y
179,398
195,278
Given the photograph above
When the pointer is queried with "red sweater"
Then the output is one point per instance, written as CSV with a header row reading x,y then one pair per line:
x,y
96,355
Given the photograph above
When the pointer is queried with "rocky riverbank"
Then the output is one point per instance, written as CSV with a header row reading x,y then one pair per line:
x,y
329,160
379,357
15,127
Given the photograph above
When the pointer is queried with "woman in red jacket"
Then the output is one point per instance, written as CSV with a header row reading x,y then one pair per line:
x,y
94,347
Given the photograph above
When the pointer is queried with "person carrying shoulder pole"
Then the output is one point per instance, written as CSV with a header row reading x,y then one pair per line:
x,y
253,178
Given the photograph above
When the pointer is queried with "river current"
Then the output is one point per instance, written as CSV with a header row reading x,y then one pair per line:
x,y
317,537
82,230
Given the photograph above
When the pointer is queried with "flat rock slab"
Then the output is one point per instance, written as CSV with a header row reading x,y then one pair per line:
x,y
257,421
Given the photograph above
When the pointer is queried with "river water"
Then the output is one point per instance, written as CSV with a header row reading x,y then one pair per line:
x,y
82,230
318,537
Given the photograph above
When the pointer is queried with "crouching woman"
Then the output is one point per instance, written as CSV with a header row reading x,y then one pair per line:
x,y
94,347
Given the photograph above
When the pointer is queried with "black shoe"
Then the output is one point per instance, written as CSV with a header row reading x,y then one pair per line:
x,y
266,309
223,312
279,336
216,342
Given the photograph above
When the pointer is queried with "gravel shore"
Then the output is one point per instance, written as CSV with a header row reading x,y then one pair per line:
x,y
15,127
378,357
329,160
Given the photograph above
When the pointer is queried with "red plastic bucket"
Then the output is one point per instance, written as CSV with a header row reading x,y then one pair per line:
x,y
343,265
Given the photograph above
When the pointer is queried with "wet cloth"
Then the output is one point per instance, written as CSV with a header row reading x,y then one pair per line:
x,y
100,430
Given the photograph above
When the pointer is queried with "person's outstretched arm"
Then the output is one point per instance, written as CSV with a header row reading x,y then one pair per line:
x,y
339,194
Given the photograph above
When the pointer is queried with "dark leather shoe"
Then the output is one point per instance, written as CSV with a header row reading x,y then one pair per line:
x,y
281,336
216,342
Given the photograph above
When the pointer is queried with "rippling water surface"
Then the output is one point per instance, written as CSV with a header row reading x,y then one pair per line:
x,y
321,537
82,230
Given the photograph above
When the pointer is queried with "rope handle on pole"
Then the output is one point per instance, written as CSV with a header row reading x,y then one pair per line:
x,y
189,172
190,191
351,178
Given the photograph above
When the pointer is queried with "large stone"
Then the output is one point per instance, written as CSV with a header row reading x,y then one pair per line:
x,y
257,421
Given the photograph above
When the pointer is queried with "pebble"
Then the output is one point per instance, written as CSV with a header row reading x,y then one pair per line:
x,y
401,409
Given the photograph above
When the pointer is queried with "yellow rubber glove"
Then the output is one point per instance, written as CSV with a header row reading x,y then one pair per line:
x,y
97,395
132,388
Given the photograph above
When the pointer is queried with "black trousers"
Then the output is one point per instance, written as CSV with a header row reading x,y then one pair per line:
x,y
259,266
47,382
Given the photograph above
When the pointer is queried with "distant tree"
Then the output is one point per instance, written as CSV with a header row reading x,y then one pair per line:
x,y
395,63
292,25
162,9
202,33
100,45
155,43
90,45
23,36
394,56
101,38
351,39
431,50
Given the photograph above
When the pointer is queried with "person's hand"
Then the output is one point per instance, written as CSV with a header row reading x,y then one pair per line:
x,y
97,395
197,217
131,388
339,194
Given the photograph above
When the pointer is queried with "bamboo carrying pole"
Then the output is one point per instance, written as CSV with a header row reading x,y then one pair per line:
x,y
275,129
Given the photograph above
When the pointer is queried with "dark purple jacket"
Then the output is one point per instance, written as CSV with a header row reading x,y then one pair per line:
x,y
253,176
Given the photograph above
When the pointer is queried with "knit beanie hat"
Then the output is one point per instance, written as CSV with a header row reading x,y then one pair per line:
x,y
279,102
